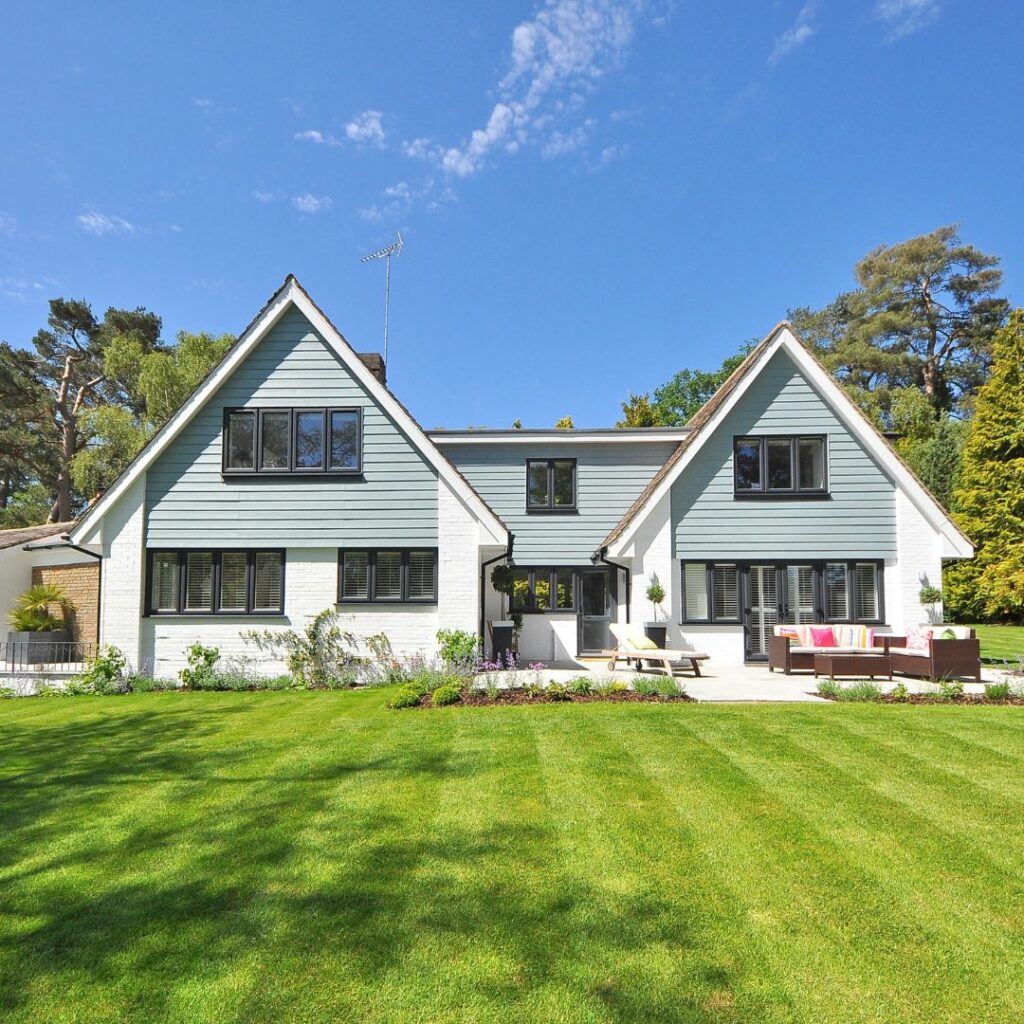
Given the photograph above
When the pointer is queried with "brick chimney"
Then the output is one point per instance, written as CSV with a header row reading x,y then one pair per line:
x,y
374,362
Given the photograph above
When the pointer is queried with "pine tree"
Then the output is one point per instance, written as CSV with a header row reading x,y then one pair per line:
x,y
989,501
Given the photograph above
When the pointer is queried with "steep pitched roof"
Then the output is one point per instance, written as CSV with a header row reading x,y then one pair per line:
x,y
25,534
703,423
290,294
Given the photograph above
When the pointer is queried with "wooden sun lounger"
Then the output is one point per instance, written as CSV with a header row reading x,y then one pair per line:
x,y
667,660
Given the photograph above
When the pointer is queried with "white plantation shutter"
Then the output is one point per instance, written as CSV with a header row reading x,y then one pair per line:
x,y
695,591
800,593
422,571
727,592
164,588
355,579
234,581
199,581
388,576
836,603
866,584
269,577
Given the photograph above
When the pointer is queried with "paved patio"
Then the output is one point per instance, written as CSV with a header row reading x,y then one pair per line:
x,y
722,683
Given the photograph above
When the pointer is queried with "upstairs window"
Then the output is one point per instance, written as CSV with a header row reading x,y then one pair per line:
x,y
551,485
780,466
298,441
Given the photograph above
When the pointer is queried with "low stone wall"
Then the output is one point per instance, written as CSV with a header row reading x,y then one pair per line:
x,y
81,582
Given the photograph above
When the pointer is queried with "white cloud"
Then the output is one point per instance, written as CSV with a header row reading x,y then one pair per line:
x,y
560,143
612,153
96,223
317,138
263,197
366,129
309,203
555,58
8,226
905,17
22,288
795,36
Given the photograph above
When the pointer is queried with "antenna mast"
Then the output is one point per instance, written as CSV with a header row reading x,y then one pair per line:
x,y
394,249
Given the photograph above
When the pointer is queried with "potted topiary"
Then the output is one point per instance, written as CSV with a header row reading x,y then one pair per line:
x,y
37,635
504,632
930,596
655,630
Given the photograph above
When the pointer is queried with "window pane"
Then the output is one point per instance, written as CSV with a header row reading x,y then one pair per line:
x,y
800,593
520,590
866,582
421,575
241,440
542,590
389,576
274,428
269,576
695,590
565,482
199,581
780,464
563,589
234,580
835,591
309,440
748,464
355,576
537,484
164,593
727,592
812,463
345,440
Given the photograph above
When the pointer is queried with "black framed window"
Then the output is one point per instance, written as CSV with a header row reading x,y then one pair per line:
x,y
215,582
551,485
833,591
387,576
780,466
542,588
299,441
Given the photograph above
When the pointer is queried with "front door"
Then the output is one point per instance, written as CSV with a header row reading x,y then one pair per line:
x,y
596,602
762,610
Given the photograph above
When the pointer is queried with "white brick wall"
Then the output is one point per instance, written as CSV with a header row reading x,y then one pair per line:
x,y
124,573
458,562
919,547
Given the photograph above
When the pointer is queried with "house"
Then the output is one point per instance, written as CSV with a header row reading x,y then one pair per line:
x,y
293,480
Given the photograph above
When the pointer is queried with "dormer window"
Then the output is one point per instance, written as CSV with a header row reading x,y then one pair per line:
x,y
550,485
296,441
780,466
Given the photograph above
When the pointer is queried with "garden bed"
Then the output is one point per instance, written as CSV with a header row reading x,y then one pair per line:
x,y
523,695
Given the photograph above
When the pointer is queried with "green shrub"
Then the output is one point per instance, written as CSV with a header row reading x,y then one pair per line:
x,y
458,649
449,693
200,672
104,674
646,686
557,691
316,655
581,686
950,689
900,692
147,684
617,686
31,612
830,688
864,691
669,686
405,697
6,693
997,691
426,680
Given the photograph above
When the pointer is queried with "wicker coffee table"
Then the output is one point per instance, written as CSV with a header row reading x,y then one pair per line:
x,y
838,664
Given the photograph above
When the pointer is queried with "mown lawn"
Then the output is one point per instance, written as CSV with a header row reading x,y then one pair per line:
x,y
999,643
313,857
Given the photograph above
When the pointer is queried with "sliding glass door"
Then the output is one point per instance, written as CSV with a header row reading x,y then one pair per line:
x,y
763,609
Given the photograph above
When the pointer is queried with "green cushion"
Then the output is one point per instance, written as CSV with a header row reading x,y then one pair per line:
x,y
947,634
643,643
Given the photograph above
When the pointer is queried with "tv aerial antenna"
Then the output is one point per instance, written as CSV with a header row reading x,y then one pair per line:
x,y
385,254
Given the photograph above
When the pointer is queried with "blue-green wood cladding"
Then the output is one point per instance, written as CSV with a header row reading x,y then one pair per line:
x,y
394,501
609,477
858,520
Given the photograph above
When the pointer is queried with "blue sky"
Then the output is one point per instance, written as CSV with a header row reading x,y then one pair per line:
x,y
593,194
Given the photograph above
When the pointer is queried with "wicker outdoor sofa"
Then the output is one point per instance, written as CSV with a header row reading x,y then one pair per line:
x,y
931,652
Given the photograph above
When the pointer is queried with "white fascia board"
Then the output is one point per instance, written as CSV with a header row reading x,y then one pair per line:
x,y
604,437
290,294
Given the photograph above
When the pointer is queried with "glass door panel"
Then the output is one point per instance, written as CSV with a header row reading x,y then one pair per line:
x,y
764,609
800,594
595,612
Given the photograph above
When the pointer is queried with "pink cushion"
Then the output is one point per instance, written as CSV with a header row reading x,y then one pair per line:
x,y
918,638
822,636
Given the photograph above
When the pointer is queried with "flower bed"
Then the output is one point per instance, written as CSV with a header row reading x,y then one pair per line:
x,y
523,695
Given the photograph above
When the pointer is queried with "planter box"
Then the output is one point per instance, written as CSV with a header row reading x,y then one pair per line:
x,y
658,632
50,647
501,641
